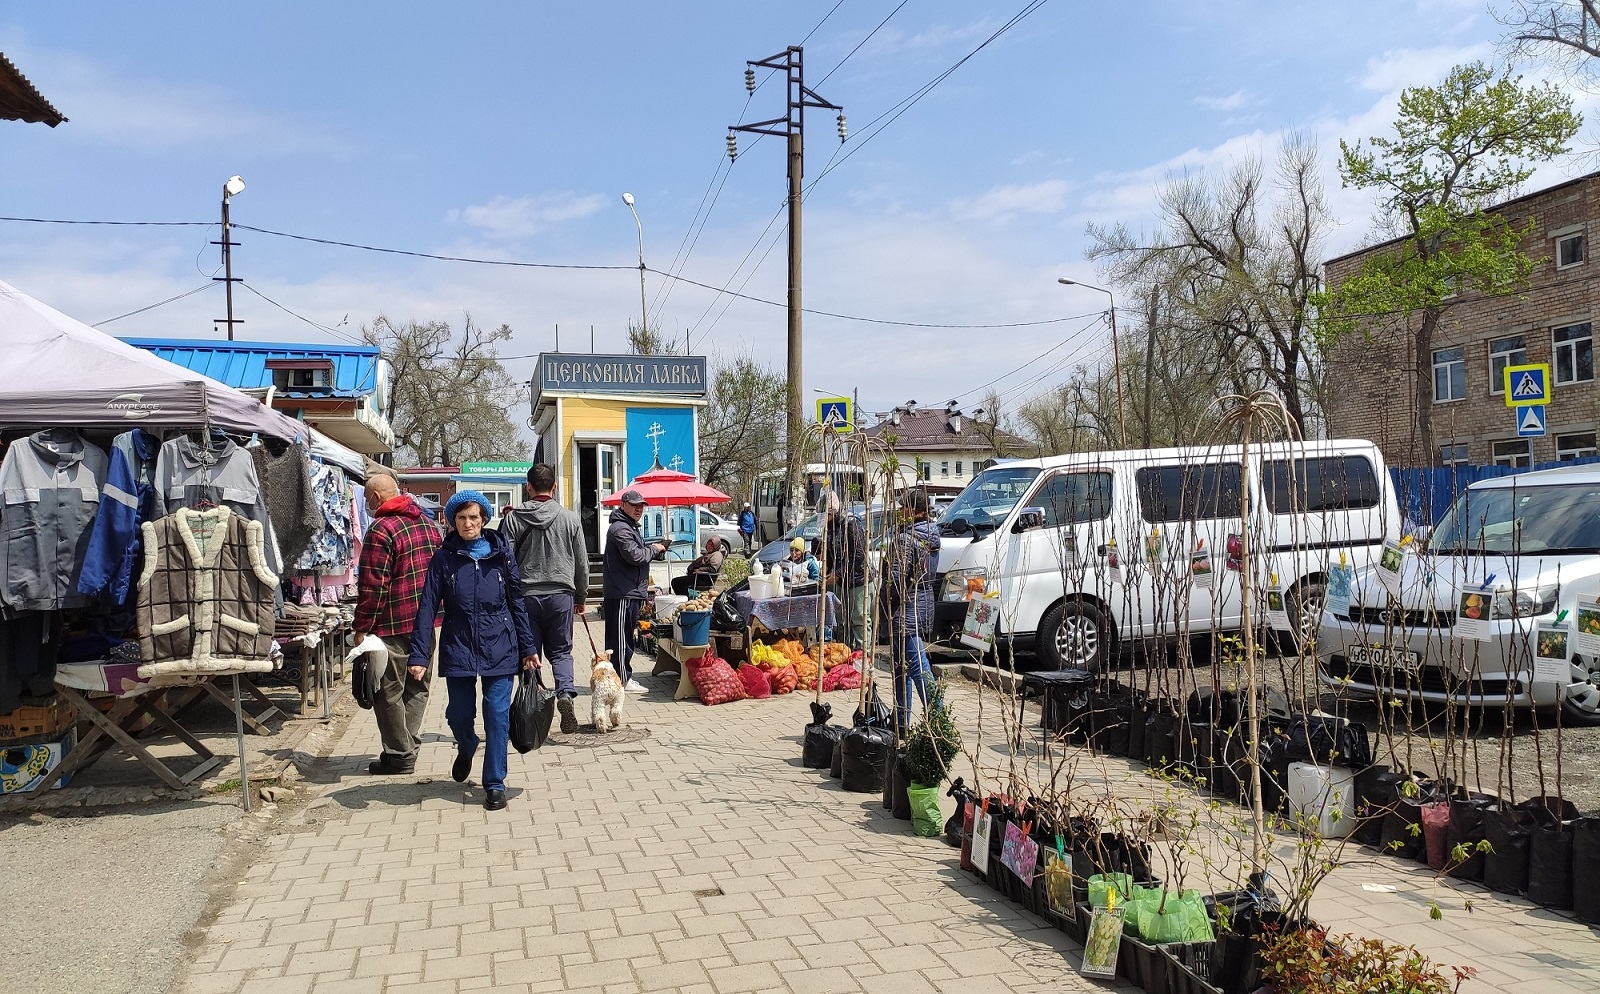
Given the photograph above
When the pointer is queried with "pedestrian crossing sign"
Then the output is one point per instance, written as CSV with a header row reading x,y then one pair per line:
x,y
1527,385
1530,421
835,412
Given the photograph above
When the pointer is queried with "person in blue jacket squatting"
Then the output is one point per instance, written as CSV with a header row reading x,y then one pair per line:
x,y
474,578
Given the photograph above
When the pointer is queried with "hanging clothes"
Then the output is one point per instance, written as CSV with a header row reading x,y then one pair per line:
x,y
126,501
29,646
50,488
330,551
188,474
291,503
205,595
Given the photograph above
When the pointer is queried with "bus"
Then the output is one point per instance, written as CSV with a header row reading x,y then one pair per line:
x,y
769,501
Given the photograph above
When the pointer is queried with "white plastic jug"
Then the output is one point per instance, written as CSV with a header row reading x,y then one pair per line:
x,y
1323,798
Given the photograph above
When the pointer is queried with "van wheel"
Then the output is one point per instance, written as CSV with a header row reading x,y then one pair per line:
x,y
1580,705
1074,635
1304,604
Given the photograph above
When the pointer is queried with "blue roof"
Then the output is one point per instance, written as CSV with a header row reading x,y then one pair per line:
x,y
244,364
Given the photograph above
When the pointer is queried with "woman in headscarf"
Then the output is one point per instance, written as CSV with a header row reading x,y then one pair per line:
x,y
908,581
485,636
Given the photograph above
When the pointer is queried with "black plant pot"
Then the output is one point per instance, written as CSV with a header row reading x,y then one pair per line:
x,y
1198,752
1509,832
1160,744
1374,790
1188,967
1586,870
1550,866
1236,965
888,778
1467,816
836,768
1402,827
1138,715
900,782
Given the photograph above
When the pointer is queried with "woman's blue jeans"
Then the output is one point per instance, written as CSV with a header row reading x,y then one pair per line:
x,y
461,713
911,668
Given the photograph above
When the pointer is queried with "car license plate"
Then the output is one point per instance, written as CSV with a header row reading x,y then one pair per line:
x,y
1386,658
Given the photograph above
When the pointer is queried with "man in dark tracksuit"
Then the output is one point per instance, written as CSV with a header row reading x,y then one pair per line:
x,y
548,541
627,582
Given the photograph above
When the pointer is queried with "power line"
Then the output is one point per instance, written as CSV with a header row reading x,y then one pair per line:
x,y
159,303
123,224
426,255
822,22
1099,316
863,41
320,327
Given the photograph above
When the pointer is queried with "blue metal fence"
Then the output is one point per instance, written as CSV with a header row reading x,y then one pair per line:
x,y
1425,494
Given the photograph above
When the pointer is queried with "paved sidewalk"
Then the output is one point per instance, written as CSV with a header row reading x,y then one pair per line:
x,y
702,859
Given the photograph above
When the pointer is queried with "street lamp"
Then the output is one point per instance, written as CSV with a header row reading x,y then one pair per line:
x,y
232,188
1116,351
644,312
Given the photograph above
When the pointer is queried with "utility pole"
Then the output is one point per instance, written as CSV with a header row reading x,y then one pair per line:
x,y
791,127
230,189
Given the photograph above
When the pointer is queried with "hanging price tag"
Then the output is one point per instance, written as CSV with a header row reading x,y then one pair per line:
x,y
1234,553
1069,548
983,613
1277,609
1588,635
1552,651
1391,563
982,825
1113,563
1338,594
1200,570
1475,613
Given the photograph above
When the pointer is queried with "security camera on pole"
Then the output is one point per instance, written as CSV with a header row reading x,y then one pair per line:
x,y
792,127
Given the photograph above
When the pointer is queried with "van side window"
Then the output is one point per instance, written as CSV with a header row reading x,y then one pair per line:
x,y
1073,498
1188,493
1328,483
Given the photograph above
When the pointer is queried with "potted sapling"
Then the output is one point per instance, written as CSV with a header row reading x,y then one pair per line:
x,y
930,746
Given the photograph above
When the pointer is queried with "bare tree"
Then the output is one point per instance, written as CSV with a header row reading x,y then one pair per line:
x,y
742,433
644,340
1237,262
1564,33
450,392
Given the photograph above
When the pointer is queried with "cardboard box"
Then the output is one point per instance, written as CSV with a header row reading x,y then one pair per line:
x,y
30,722
22,767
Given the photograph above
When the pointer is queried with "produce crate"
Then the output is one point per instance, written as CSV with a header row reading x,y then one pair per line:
x,y
31,723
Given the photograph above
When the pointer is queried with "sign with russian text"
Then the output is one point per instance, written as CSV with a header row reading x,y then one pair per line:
x,y
495,468
623,374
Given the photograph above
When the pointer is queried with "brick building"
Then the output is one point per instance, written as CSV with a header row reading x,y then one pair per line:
x,y
1551,321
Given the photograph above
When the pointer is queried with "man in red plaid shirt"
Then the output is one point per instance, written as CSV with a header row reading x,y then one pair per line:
x,y
394,564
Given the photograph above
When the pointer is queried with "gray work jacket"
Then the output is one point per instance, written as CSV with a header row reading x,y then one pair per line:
x,y
50,488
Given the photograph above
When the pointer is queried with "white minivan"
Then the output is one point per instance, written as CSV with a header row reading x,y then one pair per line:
x,y
1091,550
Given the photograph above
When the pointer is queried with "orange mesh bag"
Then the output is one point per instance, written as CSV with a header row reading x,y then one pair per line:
x,y
714,680
755,681
784,680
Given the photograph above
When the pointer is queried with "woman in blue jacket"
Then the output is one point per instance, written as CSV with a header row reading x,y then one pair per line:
x,y
907,598
485,633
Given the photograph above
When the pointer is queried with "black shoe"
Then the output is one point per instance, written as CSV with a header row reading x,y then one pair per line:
x,y
383,767
462,768
494,800
569,719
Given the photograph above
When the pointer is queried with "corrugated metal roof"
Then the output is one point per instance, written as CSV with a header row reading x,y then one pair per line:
x,y
20,100
244,364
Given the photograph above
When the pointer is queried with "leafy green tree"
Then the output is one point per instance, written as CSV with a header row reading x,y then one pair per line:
x,y
1459,148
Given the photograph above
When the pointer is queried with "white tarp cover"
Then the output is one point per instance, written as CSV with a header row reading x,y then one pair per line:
x,y
56,370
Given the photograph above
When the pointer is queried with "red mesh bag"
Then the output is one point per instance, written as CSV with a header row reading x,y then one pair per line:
x,y
841,678
714,680
784,680
755,681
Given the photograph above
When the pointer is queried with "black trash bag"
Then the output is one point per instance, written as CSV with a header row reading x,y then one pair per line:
x,y
899,783
1466,829
725,615
1161,739
1138,718
952,827
1402,825
877,713
532,710
836,762
365,673
1374,792
1326,740
816,752
864,754
1509,831
1586,870
1550,866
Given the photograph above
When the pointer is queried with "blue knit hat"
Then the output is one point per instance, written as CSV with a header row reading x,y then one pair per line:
x,y
462,499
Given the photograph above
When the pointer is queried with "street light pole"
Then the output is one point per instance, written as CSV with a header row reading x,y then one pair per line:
x,y
644,311
1116,351
230,189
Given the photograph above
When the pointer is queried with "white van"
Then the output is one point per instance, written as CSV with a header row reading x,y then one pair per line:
x,y
1090,550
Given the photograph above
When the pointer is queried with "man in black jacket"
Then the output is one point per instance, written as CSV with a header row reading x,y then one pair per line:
x,y
847,568
627,582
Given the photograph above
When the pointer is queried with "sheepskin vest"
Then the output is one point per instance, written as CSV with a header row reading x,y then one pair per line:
x,y
205,596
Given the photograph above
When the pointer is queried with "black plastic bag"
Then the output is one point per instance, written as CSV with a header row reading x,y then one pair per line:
x,y
877,713
1509,832
1586,870
1327,740
365,673
725,616
899,784
532,710
1374,793
864,755
816,751
952,827
836,761
1550,866
1467,815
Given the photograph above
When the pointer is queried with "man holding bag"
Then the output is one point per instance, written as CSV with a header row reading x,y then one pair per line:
x,y
394,564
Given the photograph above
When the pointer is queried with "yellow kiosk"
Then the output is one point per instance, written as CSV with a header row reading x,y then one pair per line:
x,y
604,419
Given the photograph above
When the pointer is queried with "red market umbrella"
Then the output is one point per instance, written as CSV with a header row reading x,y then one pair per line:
x,y
669,488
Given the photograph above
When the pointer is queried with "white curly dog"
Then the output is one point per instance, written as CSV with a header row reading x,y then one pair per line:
x,y
607,697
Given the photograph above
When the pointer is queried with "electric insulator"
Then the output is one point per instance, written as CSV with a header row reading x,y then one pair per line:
x,y
749,79
844,130
733,147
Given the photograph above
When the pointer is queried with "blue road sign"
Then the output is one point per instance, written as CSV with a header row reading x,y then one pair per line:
x,y
835,411
1527,385
1530,421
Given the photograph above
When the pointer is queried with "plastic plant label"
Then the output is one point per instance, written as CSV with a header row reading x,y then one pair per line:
x,y
1113,563
1552,650
982,826
1277,608
1391,563
1200,570
1069,548
1152,545
1337,599
1058,883
1588,636
1027,860
1235,553
1475,613
1010,849
1101,946
983,613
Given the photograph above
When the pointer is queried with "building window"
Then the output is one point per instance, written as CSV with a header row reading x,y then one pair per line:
x,y
1574,349
927,471
944,467
1580,445
1453,454
1449,374
296,378
1517,453
958,467
1569,251
1503,352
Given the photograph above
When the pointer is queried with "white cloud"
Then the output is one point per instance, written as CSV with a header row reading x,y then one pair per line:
x,y
1397,69
518,217
1003,202
1232,101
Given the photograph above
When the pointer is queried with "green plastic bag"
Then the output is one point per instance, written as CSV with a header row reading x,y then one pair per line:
x,y
1182,918
1122,883
927,820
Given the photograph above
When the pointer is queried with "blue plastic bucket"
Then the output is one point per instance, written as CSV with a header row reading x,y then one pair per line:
x,y
695,627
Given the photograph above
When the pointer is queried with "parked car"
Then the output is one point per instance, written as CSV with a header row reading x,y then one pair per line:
x,y
1531,545
714,524
811,530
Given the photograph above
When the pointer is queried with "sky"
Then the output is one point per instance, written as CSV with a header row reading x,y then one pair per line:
x,y
509,131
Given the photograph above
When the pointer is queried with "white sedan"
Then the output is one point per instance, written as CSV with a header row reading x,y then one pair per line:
x,y
714,524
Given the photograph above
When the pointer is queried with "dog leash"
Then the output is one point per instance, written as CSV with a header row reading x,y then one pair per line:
x,y
589,632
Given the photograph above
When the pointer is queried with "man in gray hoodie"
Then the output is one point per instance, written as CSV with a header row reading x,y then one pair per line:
x,y
550,551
